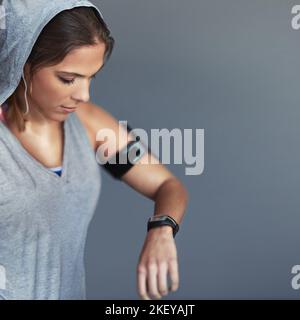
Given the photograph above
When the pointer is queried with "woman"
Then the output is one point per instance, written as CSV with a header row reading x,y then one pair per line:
x,y
49,178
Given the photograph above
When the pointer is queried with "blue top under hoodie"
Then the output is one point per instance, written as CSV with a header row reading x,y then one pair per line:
x,y
44,217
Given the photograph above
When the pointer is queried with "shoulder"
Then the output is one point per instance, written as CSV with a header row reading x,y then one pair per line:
x,y
95,118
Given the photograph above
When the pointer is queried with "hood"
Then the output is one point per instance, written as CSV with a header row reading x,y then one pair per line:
x,y
21,22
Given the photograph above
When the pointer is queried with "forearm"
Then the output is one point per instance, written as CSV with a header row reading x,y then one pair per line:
x,y
171,199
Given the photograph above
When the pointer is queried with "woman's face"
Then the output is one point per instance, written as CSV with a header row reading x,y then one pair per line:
x,y
65,84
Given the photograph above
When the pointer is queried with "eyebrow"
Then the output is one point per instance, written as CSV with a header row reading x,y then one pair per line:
x,y
77,74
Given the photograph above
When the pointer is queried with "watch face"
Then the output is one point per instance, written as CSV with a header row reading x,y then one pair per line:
x,y
158,218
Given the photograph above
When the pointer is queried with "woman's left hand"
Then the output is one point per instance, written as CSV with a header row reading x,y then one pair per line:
x,y
158,257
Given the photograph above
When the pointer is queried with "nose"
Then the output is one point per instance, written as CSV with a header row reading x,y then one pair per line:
x,y
82,93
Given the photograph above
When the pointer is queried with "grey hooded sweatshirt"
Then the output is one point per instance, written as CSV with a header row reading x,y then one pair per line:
x,y
44,217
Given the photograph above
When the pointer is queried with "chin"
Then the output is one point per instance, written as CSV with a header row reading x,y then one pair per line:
x,y
58,117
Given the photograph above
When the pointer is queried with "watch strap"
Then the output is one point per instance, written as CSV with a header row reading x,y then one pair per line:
x,y
165,220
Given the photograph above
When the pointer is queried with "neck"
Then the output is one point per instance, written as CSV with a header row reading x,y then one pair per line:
x,y
36,123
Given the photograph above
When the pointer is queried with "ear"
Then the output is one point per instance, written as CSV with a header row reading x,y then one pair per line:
x,y
26,72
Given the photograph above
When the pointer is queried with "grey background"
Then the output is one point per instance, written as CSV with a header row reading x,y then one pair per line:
x,y
231,68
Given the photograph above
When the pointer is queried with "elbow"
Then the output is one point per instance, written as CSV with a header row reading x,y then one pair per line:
x,y
175,183
185,193
180,185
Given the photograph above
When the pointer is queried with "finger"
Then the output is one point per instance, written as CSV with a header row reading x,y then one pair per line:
x,y
152,280
162,278
174,275
141,280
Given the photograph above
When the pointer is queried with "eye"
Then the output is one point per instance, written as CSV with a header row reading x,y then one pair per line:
x,y
65,81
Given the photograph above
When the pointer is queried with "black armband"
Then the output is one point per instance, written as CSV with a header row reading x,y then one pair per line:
x,y
116,169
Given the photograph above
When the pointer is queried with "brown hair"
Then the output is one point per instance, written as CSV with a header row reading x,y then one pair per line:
x,y
68,30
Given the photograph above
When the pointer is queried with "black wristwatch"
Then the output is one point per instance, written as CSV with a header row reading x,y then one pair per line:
x,y
163,220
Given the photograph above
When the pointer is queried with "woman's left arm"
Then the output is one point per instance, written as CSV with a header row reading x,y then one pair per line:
x,y
153,180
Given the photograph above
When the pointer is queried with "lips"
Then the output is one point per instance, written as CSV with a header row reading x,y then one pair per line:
x,y
67,109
